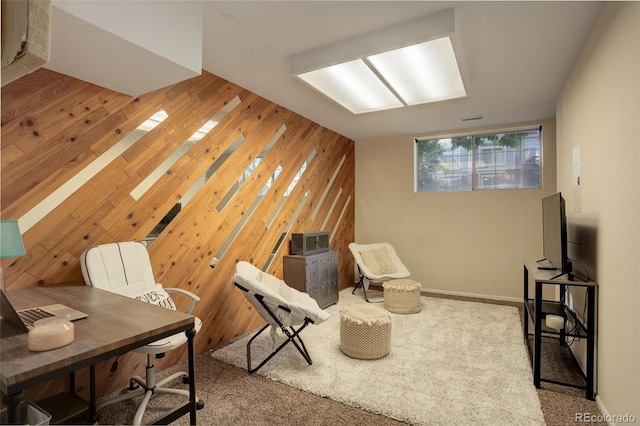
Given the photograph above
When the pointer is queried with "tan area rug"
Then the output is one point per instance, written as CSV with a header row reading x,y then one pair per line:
x,y
454,363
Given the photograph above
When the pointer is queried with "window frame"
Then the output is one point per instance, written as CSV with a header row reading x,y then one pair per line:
x,y
473,155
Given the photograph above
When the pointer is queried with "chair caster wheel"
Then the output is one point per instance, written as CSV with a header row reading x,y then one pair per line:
x,y
133,385
199,405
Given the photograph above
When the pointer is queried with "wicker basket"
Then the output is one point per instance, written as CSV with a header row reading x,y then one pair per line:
x,y
402,296
365,332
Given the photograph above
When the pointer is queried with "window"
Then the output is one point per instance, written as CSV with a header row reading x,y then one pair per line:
x,y
492,161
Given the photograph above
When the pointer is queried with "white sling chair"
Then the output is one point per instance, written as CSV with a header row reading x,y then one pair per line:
x,y
125,268
376,262
280,306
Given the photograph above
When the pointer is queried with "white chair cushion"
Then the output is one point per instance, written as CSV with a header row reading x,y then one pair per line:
x,y
277,293
275,284
168,343
378,261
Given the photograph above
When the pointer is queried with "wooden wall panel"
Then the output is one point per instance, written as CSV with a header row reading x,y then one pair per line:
x,y
55,126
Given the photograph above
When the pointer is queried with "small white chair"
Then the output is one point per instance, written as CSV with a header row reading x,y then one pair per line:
x,y
280,306
125,268
377,262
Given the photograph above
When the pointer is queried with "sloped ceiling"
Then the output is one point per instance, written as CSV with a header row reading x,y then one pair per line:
x,y
514,56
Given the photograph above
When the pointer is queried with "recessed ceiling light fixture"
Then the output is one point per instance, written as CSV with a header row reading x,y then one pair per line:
x,y
403,65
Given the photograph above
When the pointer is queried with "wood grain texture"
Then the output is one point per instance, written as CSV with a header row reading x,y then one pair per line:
x,y
53,126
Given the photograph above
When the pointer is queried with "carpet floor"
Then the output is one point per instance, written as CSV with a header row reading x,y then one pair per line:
x,y
452,361
232,396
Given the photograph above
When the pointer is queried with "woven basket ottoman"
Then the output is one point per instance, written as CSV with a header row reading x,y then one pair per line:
x,y
365,332
402,296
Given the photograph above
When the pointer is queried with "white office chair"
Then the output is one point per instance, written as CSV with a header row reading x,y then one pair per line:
x,y
377,262
125,268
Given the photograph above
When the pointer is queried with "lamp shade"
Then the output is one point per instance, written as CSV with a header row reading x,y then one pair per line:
x,y
11,244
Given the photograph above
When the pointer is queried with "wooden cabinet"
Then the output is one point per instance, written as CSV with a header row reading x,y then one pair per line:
x,y
315,274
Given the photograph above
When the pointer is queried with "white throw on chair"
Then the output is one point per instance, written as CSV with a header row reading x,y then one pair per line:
x,y
377,262
280,306
125,268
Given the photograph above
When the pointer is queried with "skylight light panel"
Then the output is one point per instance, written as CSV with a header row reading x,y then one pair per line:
x,y
422,73
354,86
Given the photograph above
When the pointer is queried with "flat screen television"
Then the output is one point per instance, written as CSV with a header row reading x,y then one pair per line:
x,y
554,234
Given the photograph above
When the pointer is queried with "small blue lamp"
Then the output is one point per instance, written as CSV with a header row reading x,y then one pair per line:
x,y
11,244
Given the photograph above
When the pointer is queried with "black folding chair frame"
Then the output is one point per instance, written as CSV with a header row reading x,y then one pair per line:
x,y
361,283
292,334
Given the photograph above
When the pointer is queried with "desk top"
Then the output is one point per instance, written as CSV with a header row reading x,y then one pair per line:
x,y
116,324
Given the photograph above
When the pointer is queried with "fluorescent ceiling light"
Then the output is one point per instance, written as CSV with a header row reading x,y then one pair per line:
x,y
354,86
413,75
405,64
425,72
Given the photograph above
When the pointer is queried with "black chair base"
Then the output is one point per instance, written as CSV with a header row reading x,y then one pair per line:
x,y
292,335
361,283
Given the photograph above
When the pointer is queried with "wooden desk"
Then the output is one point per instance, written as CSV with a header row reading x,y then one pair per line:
x,y
104,334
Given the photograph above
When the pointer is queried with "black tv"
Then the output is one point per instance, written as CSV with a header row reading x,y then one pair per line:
x,y
554,234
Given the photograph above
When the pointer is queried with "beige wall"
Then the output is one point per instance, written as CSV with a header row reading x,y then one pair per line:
x,y
599,112
456,242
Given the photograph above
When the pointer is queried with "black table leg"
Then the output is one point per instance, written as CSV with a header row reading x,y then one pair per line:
x,y
93,415
192,376
525,319
12,403
591,324
537,339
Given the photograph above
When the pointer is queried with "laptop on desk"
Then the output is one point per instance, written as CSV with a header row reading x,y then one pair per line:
x,y
25,318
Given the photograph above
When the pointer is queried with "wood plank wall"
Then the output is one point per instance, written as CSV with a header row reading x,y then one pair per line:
x,y
54,126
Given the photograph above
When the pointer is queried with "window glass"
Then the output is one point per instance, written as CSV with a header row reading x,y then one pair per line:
x,y
495,161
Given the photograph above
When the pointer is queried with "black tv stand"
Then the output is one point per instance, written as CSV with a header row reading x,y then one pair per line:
x,y
536,309
568,268
554,269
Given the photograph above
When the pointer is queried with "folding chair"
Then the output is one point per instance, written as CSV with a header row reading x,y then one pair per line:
x,y
377,262
280,306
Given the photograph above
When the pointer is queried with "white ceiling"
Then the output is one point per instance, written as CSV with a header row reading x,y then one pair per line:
x,y
514,56
132,47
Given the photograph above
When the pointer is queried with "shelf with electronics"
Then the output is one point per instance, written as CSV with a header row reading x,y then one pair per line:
x,y
559,320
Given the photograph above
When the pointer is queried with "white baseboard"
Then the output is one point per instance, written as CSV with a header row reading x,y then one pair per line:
x,y
478,296
603,409
605,417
